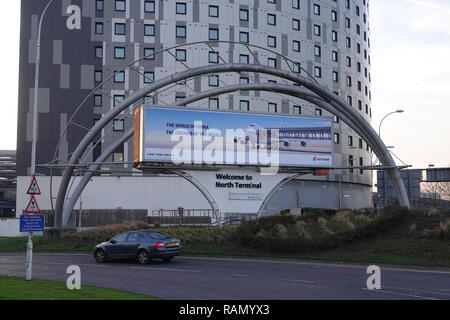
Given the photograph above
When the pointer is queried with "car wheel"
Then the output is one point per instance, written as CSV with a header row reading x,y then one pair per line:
x,y
100,256
143,257
168,259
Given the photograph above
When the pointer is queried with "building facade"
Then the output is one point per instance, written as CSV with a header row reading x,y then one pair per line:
x,y
327,39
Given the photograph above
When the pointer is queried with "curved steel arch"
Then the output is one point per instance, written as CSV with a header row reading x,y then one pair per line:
x,y
322,93
280,88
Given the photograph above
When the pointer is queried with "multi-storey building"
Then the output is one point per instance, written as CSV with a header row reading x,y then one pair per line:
x,y
328,39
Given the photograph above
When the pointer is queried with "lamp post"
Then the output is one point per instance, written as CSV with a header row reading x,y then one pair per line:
x,y
396,111
29,258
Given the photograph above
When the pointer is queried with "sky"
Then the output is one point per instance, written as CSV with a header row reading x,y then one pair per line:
x,y
410,55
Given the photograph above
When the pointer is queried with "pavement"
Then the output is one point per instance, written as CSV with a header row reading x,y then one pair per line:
x,y
195,278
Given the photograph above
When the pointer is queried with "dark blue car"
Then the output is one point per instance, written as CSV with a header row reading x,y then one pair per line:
x,y
143,246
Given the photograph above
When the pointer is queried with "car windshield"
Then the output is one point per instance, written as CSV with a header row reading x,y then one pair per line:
x,y
156,235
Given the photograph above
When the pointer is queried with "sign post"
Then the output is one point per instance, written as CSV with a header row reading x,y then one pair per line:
x,y
31,221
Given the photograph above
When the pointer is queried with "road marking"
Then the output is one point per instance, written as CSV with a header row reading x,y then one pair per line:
x,y
441,291
165,269
293,280
78,264
402,294
239,275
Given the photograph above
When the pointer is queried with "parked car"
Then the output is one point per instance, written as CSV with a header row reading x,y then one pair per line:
x,y
143,246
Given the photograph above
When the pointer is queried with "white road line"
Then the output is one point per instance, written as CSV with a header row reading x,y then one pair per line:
x,y
293,280
441,291
402,294
165,269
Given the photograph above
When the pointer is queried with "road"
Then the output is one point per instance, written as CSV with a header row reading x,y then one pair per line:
x,y
236,279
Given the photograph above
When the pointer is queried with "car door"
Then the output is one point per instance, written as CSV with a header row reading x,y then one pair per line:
x,y
116,248
131,247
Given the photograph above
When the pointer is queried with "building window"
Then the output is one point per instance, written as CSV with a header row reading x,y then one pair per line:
x,y
149,6
317,51
318,72
296,4
334,36
119,53
214,81
118,157
243,15
99,5
295,24
350,141
213,57
296,67
272,62
213,103
213,11
149,30
244,59
118,99
350,162
119,29
333,16
149,100
213,34
99,52
149,53
98,76
120,5
361,163
318,112
271,41
244,80
335,56
272,107
317,30
118,125
98,28
180,31
180,8
271,19
119,77
98,99
244,105
297,110
295,45
180,55
336,138
149,77
316,9
243,37
335,76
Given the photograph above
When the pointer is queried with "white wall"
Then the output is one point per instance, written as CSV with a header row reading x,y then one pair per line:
x,y
11,227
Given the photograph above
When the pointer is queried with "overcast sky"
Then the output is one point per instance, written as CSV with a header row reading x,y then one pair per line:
x,y
410,70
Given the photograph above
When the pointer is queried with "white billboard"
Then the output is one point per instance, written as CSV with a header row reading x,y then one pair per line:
x,y
198,137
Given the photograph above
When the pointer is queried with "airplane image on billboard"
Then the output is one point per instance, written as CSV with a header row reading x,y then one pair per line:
x,y
238,137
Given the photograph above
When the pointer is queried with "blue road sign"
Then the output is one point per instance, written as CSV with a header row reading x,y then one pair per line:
x,y
32,223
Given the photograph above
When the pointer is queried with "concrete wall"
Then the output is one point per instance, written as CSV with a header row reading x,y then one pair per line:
x,y
11,227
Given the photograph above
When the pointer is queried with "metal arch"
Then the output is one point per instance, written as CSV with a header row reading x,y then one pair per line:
x,y
328,96
275,190
280,88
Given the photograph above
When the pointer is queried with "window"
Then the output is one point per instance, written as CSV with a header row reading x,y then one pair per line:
x,y
348,42
318,112
118,125
296,67
98,100
271,19
180,32
272,107
272,62
297,110
334,36
349,62
99,52
350,162
243,37
213,57
180,8
336,138
335,56
360,143
149,100
317,30
243,15
316,9
317,51
149,77
213,11
350,141
98,28
99,5
244,80
213,103
213,34
333,16
149,30
361,163
318,72
244,59
149,53
118,99
119,29
296,4
335,76
295,24
119,77
149,6
98,76
120,5
118,157
349,81
244,105
295,45
271,41
119,53
214,81
347,22
121,237
180,55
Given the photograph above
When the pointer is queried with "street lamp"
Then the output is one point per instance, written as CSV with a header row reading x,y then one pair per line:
x,y
396,111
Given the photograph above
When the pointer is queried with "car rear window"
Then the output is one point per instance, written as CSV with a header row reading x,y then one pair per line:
x,y
156,235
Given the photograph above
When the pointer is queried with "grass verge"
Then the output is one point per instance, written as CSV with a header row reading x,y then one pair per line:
x,y
12,288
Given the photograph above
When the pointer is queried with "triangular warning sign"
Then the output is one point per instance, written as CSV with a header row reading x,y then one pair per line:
x,y
32,206
34,187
